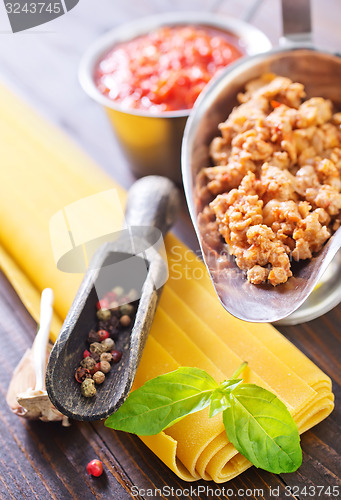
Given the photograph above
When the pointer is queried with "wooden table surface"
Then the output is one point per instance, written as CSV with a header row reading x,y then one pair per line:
x,y
46,460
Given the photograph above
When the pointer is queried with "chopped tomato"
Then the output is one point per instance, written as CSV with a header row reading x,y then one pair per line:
x,y
275,104
166,69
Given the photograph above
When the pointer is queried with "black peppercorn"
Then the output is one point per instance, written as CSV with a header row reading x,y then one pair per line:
x,y
95,356
93,337
103,325
114,333
115,312
114,321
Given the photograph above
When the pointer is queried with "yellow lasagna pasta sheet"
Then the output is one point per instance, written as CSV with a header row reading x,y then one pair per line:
x,y
42,173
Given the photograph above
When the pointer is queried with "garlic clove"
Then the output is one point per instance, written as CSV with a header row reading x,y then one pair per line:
x,y
26,395
24,400
23,379
38,406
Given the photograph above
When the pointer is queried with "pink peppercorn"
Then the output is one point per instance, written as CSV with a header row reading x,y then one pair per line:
x,y
110,296
102,304
103,334
96,368
95,468
124,300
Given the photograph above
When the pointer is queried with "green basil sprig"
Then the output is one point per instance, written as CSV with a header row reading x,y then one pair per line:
x,y
257,423
162,401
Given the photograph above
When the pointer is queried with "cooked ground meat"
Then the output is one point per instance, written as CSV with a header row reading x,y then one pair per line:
x,y
274,191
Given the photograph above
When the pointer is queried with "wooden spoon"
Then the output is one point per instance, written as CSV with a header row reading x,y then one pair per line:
x,y
152,206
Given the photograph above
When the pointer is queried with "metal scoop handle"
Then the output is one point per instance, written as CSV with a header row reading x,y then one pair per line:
x,y
153,201
296,18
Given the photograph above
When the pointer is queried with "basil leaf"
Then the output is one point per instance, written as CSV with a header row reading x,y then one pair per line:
x,y
219,402
219,399
230,385
162,401
261,428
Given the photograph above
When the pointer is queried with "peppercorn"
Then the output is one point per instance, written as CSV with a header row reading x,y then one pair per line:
x,y
96,368
108,344
93,337
125,320
116,356
81,374
118,290
109,329
88,388
102,304
99,377
114,321
103,314
88,363
111,296
124,300
97,348
105,367
127,310
133,295
114,332
95,356
114,306
95,468
106,356
103,334
103,325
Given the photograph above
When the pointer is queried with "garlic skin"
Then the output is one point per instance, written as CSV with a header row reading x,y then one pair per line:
x,y
24,400
26,395
23,378
38,406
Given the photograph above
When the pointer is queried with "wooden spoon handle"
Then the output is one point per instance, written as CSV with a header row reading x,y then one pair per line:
x,y
42,338
153,201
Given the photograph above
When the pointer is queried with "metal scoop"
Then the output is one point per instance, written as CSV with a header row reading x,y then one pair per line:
x,y
320,72
134,259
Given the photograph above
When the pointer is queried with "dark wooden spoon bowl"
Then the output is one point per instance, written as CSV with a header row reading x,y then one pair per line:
x,y
132,260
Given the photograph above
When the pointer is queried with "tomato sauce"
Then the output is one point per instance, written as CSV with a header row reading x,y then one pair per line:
x,y
166,69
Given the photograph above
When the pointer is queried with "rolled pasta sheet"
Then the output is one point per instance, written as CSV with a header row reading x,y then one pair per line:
x,y
197,446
